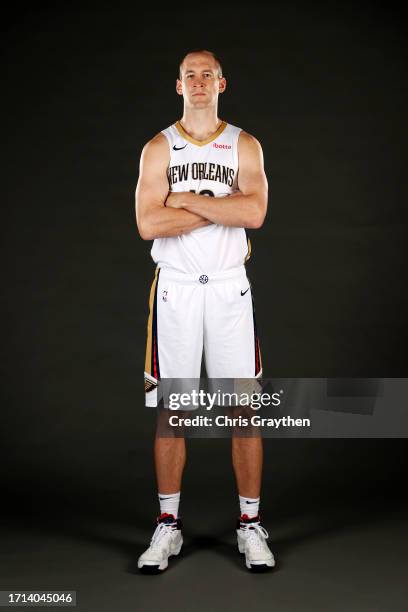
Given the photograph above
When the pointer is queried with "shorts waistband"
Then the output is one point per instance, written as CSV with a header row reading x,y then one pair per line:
x,y
202,277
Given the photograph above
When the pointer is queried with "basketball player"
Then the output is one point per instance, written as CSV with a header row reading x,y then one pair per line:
x,y
201,183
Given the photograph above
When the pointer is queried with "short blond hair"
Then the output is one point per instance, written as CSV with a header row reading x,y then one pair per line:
x,y
215,58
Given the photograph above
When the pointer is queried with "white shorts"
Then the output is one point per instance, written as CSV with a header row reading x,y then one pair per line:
x,y
190,313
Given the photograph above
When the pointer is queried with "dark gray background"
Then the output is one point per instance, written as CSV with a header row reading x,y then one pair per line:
x,y
324,89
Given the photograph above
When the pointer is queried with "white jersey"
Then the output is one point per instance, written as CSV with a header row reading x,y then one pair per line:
x,y
209,168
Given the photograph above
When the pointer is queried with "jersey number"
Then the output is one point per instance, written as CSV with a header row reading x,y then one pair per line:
x,y
203,192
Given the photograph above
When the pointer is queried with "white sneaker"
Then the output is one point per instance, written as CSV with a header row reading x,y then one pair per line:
x,y
166,542
252,543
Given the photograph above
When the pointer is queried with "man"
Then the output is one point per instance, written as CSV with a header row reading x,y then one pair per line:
x,y
201,183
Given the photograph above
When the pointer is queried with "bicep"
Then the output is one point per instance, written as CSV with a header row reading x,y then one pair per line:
x,y
251,174
153,186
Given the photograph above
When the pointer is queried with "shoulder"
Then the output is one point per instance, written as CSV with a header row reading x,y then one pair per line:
x,y
248,142
249,149
157,143
156,149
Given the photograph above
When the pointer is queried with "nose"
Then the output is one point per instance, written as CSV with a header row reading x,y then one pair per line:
x,y
198,81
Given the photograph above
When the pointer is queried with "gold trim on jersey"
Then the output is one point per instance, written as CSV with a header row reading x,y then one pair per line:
x,y
200,143
148,361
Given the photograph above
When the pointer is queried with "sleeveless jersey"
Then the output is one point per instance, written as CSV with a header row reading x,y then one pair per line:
x,y
209,168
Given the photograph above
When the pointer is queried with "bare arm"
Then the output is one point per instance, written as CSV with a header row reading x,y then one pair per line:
x,y
245,209
154,219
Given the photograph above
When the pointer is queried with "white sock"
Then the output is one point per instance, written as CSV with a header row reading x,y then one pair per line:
x,y
249,506
169,502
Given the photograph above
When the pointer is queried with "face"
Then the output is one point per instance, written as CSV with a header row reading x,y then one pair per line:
x,y
200,83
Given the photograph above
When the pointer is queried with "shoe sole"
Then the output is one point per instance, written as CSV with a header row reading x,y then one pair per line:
x,y
257,568
260,569
153,570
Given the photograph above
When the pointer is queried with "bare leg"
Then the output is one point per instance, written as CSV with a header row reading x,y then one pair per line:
x,y
247,457
170,458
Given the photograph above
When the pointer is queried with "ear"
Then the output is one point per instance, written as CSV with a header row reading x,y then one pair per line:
x,y
222,85
179,87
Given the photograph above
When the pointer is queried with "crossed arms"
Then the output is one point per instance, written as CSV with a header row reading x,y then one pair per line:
x,y
161,214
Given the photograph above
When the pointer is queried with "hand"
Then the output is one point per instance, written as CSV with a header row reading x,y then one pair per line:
x,y
176,199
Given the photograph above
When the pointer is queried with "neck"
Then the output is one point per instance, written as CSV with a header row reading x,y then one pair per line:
x,y
200,123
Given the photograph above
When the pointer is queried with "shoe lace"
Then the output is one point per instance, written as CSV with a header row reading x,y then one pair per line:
x,y
256,535
162,530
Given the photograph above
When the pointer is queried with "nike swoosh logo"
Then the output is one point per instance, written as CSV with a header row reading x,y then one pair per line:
x,y
251,502
243,293
179,148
